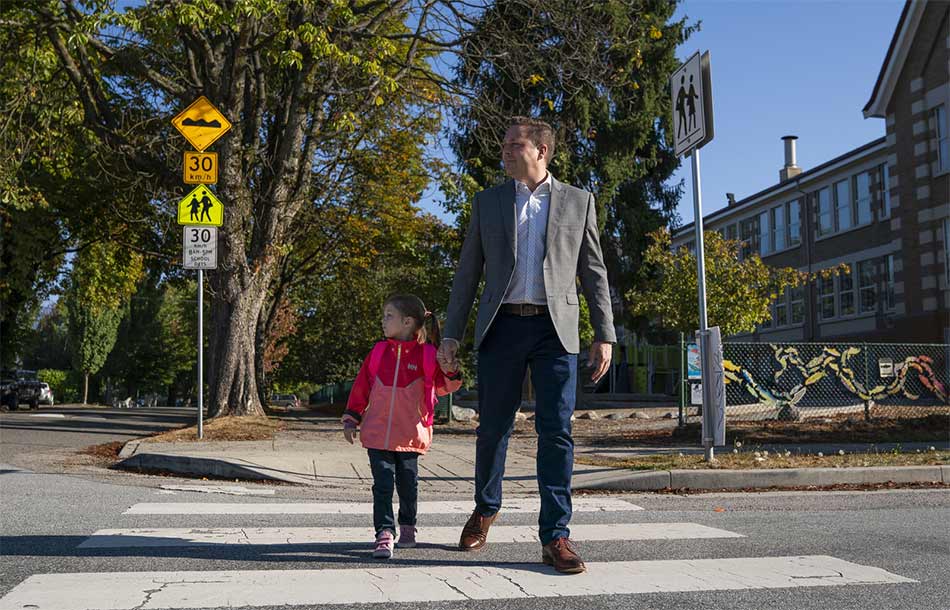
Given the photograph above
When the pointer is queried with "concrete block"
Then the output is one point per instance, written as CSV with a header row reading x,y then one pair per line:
x,y
919,127
922,171
929,303
917,107
916,84
923,193
920,149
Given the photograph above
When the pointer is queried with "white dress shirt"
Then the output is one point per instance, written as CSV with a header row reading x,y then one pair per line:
x,y
527,284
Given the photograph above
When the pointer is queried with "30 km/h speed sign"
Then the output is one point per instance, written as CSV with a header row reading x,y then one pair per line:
x,y
200,247
200,168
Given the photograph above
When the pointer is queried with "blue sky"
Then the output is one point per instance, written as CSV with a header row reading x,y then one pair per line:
x,y
803,67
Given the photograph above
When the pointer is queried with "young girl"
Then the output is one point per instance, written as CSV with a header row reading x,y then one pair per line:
x,y
391,405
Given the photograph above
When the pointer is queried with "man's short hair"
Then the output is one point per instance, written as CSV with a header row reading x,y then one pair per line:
x,y
539,132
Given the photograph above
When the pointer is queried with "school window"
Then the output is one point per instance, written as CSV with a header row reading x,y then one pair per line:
x,y
781,311
826,218
778,228
884,191
862,197
843,213
867,290
943,137
794,223
731,232
846,291
826,297
749,234
797,304
946,248
765,241
889,299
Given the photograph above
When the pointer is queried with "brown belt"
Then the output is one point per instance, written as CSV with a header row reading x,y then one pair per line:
x,y
524,309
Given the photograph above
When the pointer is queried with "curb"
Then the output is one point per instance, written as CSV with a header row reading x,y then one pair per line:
x,y
756,479
201,466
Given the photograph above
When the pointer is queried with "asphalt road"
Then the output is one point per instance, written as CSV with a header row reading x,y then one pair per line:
x,y
47,517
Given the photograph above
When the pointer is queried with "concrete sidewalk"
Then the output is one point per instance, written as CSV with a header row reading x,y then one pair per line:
x,y
313,452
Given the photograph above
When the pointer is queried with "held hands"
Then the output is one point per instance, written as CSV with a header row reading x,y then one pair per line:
x,y
600,354
448,356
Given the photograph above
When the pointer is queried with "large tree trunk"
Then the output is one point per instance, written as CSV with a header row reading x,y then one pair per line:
x,y
232,370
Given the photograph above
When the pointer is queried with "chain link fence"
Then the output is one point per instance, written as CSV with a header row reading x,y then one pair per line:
x,y
795,381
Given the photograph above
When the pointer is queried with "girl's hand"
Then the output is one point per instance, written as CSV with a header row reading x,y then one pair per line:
x,y
350,433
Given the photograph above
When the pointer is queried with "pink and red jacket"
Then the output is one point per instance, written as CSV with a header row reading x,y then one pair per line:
x,y
394,405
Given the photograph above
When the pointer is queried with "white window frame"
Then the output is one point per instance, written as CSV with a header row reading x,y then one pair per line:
x,y
942,132
867,198
824,295
946,248
779,228
830,213
890,300
870,286
847,206
796,296
796,221
766,246
846,288
884,191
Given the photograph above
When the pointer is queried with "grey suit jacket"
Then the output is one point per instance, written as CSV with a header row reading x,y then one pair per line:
x,y
572,250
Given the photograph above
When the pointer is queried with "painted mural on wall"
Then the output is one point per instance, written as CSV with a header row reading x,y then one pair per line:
x,y
809,375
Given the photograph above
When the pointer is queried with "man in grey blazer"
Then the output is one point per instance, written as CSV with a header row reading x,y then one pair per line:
x,y
534,237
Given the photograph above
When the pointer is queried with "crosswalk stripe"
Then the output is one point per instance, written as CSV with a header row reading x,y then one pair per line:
x,y
255,588
518,505
184,537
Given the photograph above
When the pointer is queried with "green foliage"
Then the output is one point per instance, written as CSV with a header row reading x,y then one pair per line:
x,y
92,334
739,292
59,383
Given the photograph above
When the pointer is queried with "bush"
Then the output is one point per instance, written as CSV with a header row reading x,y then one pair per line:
x,y
61,382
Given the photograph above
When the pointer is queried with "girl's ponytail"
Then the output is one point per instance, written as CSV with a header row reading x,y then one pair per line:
x,y
432,334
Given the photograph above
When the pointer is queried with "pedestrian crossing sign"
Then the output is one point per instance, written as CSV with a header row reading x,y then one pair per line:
x,y
201,207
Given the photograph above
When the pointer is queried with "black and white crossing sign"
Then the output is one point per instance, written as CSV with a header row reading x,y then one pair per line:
x,y
200,247
691,91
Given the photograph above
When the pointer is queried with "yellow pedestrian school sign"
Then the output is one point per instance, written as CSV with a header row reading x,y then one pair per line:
x,y
201,123
200,207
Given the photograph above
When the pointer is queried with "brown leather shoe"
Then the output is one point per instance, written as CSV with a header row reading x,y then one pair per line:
x,y
560,553
475,533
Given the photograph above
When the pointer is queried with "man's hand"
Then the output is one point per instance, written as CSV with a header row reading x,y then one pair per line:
x,y
447,356
600,354
350,433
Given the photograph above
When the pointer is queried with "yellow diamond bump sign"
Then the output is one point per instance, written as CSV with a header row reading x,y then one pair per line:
x,y
201,123
200,207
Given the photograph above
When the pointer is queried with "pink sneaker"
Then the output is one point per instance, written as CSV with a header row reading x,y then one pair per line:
x,y
384,545
407,537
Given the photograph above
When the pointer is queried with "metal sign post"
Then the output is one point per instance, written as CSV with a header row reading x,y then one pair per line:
x,y
691,94
201,351
200,211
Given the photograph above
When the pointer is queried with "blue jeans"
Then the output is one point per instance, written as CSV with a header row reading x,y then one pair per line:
x,y
513,344
403,468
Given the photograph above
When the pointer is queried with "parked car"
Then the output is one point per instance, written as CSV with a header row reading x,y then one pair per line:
x,y
20,386
46,394
285,400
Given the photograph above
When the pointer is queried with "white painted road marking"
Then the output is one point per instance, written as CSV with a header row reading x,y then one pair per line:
x,y
525,505
256,588
181,537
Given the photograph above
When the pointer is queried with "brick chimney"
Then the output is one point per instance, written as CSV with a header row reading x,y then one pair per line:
x,y
791,168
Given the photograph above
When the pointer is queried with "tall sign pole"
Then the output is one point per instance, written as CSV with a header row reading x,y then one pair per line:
x,y
691,93
200,212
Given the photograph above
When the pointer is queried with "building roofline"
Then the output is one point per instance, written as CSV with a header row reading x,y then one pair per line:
x,y
894,59
776,188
